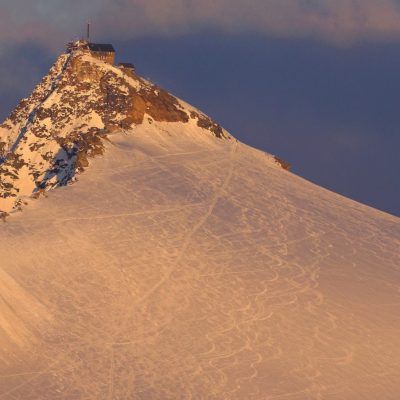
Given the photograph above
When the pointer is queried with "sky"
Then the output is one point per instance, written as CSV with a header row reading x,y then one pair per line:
x,y
316,82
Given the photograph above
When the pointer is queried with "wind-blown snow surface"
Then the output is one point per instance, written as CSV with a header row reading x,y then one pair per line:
x,y
181,266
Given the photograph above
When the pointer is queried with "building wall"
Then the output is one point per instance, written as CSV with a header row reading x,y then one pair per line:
x,y
103,56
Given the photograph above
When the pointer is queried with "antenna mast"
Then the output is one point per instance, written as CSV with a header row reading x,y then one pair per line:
x,y
88,32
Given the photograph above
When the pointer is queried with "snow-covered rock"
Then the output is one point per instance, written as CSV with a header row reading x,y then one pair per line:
x,y
51,134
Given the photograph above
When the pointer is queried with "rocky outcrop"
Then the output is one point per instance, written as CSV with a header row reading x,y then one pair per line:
x,y
206,123
284,164
161,106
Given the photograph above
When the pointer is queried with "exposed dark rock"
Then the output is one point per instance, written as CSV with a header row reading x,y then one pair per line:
x,y
284,164
206,123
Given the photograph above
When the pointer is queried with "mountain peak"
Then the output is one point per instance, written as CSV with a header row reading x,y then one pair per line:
x,y
50,136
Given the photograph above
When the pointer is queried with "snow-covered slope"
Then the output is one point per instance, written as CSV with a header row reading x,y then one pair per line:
x,y
181,265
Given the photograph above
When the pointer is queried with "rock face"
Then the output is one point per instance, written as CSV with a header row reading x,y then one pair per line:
x,y
52,134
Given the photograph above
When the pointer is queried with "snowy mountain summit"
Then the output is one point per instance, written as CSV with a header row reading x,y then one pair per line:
x,y
52,134
181,263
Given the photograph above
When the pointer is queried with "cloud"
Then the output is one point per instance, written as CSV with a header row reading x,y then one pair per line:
x,y
52,22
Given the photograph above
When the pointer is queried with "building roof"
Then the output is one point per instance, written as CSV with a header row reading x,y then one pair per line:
x,y
100,47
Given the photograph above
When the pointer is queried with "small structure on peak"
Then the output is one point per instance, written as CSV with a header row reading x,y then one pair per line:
x,y
103,52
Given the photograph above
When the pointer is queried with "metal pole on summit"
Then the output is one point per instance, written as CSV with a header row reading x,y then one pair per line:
x,y
88,31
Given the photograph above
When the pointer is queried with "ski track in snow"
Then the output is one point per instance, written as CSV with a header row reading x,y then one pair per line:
x,y
173,275
194,230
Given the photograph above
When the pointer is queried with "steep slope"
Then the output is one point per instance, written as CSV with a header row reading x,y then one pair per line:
x,y
51,134
184,266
